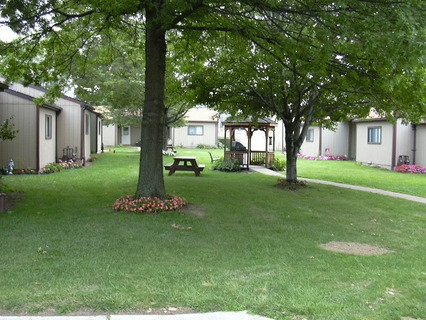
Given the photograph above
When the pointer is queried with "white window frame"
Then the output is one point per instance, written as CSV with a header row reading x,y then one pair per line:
x,y
48,126
87,124
195,130
310,135
374,135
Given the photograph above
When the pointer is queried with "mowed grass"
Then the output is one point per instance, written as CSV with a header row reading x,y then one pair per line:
x,y
244,245
363,175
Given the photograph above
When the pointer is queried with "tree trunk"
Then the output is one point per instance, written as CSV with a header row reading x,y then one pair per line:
x,y
292,149
151,179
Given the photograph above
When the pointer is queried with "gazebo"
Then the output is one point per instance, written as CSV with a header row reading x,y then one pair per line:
x,y
250,142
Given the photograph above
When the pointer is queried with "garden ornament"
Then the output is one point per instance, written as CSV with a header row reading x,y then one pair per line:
x,y
11,166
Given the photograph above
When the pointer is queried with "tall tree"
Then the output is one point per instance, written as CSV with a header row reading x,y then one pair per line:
x,y
336,62
56,34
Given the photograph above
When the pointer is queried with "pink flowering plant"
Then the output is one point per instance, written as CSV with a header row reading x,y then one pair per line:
x,y
411,168
149,205
323,157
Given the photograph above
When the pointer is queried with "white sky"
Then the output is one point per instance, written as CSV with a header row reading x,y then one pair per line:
x,y
6,34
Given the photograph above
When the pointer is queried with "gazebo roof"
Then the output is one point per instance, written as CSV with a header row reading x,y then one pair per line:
x,y
250,122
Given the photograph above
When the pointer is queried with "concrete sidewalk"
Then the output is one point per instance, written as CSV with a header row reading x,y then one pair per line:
x,y
240,315
264,170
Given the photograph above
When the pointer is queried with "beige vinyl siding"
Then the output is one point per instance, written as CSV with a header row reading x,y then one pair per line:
x,y
30,91
96,136
23,147
209,136
47,146
86,135
337,142
135,135
69,126
375,154
311,148
109,135
421,145
404,138
327,141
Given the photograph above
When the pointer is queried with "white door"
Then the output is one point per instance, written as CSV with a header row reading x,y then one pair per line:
x,y
125,135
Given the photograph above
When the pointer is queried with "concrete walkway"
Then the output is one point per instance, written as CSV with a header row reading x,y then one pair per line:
x,y
264,170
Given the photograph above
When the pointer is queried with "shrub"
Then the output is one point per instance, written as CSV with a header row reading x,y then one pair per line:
x,y
279,164
228,166
51,168
410,168
205,146
149,205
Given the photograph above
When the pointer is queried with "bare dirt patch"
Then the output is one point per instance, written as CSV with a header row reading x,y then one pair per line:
x,y
194,209
11,199
360,249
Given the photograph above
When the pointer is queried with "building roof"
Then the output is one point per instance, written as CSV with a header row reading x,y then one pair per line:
x,y
251,121
201,114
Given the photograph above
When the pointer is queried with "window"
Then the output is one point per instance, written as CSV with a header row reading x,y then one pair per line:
x,y
195,130
310,135
48,127
374,135
126,131
87,124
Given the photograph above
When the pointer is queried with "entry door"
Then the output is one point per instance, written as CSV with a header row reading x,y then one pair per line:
x,y
125,135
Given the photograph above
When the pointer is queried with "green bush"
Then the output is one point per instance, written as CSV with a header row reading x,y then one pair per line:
x,y
205,146
52,167
279,164
228,166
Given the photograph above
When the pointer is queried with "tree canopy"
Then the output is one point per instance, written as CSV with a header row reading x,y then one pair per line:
x,y
336,62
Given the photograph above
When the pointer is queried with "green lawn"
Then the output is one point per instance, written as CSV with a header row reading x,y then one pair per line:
x,y
353,173
245,245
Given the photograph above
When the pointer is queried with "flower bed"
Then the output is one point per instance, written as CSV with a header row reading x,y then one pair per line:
x,y
70,164
329,157
410,168
149,205
60,165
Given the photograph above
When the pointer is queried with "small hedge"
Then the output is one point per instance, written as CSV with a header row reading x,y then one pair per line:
x,y
227,166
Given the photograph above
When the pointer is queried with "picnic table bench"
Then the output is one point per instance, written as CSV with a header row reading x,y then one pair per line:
x,y
185,164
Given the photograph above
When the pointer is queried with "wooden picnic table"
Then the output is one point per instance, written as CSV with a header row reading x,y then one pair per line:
x,y
184,164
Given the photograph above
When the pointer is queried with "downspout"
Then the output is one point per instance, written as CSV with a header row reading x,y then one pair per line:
x,y
393,160
320,141
38,138
83,134
414,127
56,134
